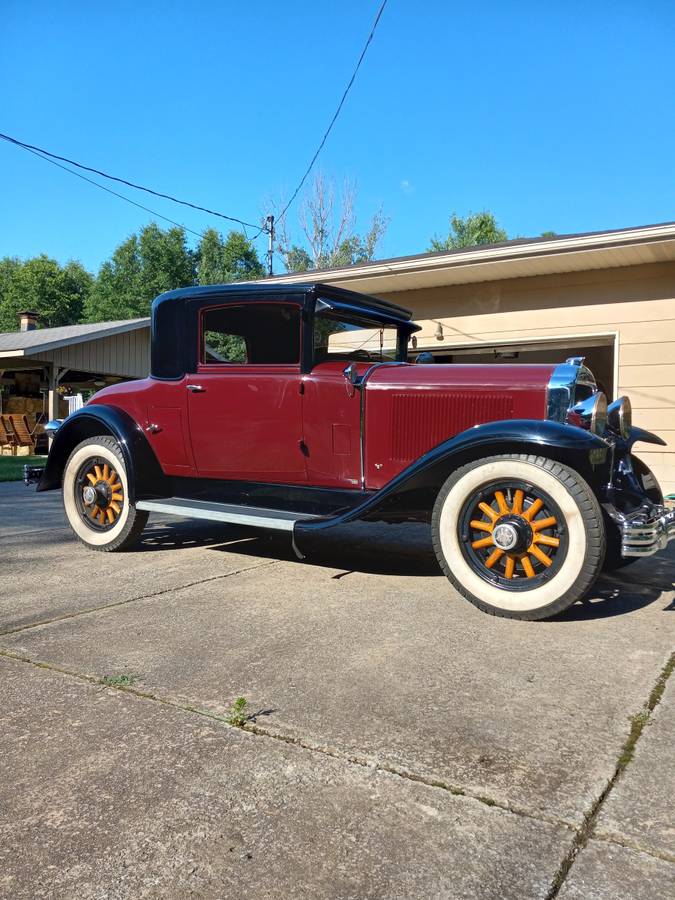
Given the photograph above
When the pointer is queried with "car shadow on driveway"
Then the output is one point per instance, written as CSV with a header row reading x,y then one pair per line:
x,y
405,550
372,549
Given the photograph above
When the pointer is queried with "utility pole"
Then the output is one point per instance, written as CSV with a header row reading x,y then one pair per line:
x,y
270,250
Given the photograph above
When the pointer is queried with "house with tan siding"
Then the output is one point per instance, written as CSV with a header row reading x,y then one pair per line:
x,y
608,296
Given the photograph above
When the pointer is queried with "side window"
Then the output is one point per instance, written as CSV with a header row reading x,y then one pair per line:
x,y
338,337
251,334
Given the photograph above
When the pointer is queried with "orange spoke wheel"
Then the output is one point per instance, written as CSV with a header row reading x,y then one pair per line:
x,y
99,494
513,535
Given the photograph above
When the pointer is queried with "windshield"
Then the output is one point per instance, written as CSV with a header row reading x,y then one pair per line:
x,y
340,337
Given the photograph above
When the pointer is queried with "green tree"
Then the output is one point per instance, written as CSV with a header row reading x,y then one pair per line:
x,y
297,259
474,229
223,261
8,269
57,293
146,264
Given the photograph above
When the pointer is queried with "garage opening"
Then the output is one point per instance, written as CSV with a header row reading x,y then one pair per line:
x,y
599,354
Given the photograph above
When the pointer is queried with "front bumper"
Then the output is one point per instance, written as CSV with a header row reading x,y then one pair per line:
x,y
645,531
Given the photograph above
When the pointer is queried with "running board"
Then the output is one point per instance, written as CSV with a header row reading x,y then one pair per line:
x,y
256,517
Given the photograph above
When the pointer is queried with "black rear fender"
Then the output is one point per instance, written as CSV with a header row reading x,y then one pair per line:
x,y
144,472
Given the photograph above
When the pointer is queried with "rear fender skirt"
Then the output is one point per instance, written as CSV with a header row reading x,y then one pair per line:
x,y
412,493
143,469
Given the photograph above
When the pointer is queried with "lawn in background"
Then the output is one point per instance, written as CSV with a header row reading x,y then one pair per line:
x,y
11,467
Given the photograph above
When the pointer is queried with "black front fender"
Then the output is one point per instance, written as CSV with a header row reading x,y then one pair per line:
x,y
144,472
411,494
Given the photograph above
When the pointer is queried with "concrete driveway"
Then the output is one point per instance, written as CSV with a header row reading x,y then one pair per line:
x,y
402,745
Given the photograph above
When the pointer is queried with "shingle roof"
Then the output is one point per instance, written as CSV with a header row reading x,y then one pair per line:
x,y
458,252
48,338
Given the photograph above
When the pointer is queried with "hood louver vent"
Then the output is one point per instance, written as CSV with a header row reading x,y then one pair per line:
x,y
421,422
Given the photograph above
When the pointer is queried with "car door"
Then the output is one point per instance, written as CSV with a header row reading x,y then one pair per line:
x,y
332,427
332,408
244,400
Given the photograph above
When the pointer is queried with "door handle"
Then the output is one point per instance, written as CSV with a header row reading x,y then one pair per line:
x,y
196,388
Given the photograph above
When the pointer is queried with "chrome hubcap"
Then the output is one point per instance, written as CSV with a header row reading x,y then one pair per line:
x,y
505,536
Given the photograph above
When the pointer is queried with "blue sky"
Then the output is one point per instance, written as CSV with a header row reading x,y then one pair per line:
x,y
554,116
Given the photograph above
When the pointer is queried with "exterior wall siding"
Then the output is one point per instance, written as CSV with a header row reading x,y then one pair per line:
x,y
637,302
126,354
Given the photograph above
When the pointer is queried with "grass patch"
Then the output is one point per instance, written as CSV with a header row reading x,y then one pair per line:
x,y
237,714
119,680
11,467
641,719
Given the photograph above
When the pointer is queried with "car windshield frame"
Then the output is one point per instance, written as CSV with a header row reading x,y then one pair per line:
x,y
361,324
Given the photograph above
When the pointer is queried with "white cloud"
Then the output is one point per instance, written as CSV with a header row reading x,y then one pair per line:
x,y
407,187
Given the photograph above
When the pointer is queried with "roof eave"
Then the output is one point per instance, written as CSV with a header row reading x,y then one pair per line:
x,y
553,251
47,346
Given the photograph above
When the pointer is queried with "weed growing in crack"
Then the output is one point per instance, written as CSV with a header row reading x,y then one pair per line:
x,y
119,680
637,723
237,714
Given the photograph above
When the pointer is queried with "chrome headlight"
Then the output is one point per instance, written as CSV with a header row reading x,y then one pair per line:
x,y
590,414
620,417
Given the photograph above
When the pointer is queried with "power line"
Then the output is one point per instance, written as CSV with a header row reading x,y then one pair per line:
x,y
57,160
153,212
337,113
139,187
114,193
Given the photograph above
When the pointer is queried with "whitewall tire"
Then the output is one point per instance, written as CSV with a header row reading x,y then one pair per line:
x,y
96,496
519,536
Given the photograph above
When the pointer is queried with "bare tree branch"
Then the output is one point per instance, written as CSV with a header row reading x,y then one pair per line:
x,y
328,224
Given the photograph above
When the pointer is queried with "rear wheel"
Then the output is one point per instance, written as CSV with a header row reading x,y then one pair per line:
x,y
96,496
519,536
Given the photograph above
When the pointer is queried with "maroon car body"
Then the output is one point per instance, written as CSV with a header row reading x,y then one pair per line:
x,y
297,407
249,422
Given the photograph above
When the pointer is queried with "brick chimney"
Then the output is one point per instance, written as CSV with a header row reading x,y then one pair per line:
x,y
28,320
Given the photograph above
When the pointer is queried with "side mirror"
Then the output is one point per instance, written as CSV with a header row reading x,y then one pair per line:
x,y
351,373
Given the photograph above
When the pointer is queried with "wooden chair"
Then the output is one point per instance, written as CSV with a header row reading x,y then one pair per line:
x,y
7,437
25,442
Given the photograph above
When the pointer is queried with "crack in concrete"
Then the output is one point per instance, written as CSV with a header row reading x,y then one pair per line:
x,y
581,834
251,728
118,603
585,833
374,764
633,845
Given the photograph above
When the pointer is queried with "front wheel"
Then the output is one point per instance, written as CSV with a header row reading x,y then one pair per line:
x,y
519,536
96,496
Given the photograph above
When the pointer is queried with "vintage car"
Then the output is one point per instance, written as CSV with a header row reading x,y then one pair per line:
x,y
295,407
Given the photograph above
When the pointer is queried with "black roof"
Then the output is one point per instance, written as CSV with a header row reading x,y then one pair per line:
x,y
175,319
250,291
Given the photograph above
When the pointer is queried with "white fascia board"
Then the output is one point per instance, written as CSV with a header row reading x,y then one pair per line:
x,y
552,248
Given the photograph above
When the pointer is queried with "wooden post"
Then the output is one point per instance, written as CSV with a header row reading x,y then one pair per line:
x,y
54,376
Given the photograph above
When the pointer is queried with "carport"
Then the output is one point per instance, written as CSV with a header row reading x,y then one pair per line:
x,y
38,365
